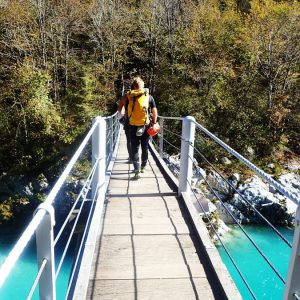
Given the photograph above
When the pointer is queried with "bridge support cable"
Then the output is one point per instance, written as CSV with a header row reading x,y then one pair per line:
x,y
83,240
172,145
250,165
37,278
292,288
76,219
244,231
223,245
43,221
71,164
243,198
86,187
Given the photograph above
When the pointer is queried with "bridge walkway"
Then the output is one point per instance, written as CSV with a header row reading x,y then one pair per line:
x,y
148,248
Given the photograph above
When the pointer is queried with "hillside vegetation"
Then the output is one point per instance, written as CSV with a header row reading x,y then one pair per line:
x,y
233,65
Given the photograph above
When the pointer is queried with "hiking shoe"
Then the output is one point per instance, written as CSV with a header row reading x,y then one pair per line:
x,y
136,175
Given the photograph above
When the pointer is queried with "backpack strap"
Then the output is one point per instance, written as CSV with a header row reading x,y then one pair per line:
x,y
133,104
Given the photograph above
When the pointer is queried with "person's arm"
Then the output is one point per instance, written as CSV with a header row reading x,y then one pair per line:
x,y
122,104
154,115
153,109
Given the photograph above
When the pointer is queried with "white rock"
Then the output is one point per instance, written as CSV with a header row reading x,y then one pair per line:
x,y
235,176
218,183
222,228
291,182
225,215
250,152
225,161
293,165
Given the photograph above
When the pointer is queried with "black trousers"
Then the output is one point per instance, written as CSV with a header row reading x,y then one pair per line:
x,y
128,142
136,142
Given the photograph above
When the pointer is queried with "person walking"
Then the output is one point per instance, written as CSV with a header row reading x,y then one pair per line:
x,y
140,106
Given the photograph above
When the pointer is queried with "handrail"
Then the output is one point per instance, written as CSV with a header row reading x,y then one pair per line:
x,y
189,124
260,172
186,153
111,116
17,250
46,207
14,255
69,167
171,118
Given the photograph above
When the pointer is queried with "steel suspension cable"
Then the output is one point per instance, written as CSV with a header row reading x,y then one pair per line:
x,y
73,229
70,165
172,133
223,245
171,144
37,278
82,241
69,239
243,198
76,201
246,234
265,176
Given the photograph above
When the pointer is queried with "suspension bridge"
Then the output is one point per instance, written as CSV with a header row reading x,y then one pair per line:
x,y
140,239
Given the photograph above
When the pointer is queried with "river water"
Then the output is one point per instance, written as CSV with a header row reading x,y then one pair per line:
x,y
262,280
19,282
264,283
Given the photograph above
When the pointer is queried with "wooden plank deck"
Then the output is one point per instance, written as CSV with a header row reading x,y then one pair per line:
x,y
148,248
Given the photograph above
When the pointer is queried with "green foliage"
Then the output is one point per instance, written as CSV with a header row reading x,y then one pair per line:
x,y
5,213
235,71
11,208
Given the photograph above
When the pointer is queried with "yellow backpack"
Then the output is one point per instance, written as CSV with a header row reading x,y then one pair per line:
x,y
138,105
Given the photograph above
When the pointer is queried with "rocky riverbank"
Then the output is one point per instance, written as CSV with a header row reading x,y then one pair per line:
x,y
244,201
20,195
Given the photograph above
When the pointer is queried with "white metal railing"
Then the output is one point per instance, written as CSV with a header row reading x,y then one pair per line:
x,y
189,126
104,134
43,221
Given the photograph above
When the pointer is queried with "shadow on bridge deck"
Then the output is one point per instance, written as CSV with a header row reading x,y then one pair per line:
x,y
148,247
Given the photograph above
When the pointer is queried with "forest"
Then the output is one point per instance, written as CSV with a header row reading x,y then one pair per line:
x,y
232,64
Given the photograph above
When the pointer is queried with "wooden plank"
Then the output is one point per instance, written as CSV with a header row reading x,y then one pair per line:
x,y
147,249
154,289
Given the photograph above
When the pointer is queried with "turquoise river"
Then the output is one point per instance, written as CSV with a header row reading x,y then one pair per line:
x,y
263,281
19,282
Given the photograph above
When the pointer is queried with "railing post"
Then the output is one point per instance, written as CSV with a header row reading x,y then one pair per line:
x,y
111,138
116,129
114,132
187,155
161,138
99,153
45,250
292,285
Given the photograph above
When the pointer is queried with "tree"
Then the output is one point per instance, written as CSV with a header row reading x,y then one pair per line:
x,y
273,31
